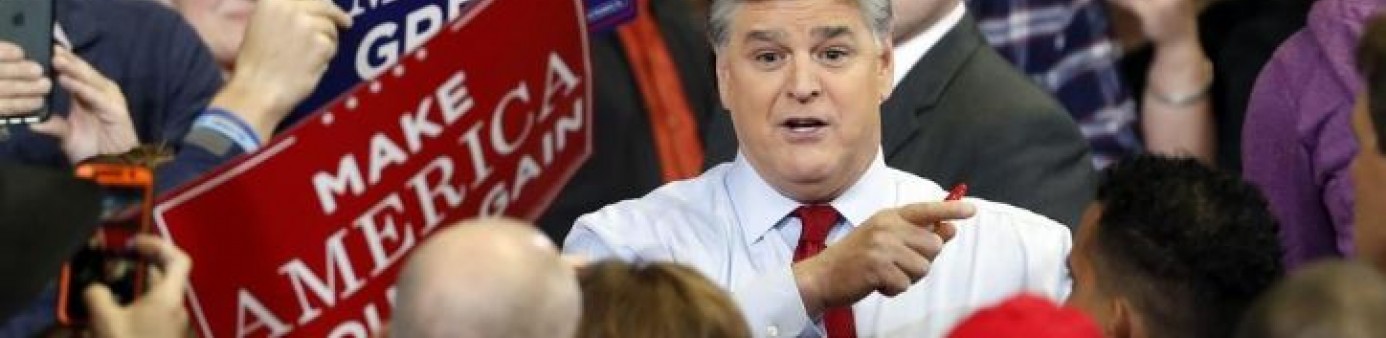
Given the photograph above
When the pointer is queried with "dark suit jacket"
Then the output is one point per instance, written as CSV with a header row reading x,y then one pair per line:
x,y
964,114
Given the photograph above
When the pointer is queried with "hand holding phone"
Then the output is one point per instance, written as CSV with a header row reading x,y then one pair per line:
x,y
159,312
109,258
26,69
98,120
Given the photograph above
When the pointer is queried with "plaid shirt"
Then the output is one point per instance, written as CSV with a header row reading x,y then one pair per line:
x,y
1064,46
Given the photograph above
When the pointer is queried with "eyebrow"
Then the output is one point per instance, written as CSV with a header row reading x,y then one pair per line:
x,y
819,33
765,35
829,32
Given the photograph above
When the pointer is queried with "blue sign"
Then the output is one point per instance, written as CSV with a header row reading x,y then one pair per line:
x,y
604,15
382,31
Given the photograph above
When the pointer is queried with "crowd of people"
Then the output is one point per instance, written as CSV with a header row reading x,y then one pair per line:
x,y
764,168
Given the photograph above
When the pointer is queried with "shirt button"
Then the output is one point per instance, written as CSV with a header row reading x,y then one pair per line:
x,y
1060,42
772,331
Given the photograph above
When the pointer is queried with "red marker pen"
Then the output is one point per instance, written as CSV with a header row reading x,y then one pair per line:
x,y
957,192
954,194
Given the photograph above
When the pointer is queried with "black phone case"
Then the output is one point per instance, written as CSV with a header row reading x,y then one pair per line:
x,y
29,24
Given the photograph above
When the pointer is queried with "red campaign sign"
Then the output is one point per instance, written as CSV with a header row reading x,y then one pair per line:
x,y
306,236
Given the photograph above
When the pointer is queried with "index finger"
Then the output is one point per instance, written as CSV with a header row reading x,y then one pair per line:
x,y
10,52
927,213
66,63
175,263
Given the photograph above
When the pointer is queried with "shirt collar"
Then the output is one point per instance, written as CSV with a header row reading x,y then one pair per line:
x,y
759,207
908,53
868,195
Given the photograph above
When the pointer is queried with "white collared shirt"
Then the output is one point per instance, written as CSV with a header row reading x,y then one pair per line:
x,y
737,230
909,52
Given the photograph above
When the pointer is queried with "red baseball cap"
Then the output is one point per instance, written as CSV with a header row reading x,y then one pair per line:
x,y
1027,316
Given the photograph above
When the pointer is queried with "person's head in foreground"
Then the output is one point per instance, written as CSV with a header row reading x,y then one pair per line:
x,y
656,299
1171,248
804,81
1029,316
1369,166
1338,299
486,278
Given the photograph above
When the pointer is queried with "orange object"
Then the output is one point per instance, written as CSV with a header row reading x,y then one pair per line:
x,y
127,193
671,118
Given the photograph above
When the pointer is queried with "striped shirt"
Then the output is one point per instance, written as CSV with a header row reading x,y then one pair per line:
x,y
1064,46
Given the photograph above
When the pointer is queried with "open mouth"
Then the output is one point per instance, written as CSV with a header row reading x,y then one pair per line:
x,y
803,124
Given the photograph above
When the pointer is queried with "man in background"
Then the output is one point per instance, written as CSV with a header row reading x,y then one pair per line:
x,y
1171,248
1368,167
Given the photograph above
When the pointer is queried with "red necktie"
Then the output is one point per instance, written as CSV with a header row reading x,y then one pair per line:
x,y
818,220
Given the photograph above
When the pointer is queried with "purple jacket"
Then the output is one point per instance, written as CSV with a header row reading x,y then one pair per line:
x,y
1297,140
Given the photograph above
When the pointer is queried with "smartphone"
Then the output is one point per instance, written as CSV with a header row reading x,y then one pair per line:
x,y
126,199
29,24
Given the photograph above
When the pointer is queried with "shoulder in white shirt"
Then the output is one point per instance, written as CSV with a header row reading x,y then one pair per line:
x,y
998,252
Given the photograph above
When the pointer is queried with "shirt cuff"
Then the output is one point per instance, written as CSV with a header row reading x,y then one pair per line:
x,y
773,306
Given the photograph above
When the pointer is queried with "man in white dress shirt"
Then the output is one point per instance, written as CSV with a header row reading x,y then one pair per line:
x,y
804,81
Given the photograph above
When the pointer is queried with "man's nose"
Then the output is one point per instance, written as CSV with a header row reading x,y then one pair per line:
x,y
804,85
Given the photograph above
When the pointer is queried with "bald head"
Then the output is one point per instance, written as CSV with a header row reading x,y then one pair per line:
x,y
1330,299
486,278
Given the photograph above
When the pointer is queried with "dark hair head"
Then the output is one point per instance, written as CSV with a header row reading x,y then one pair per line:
x,y
1190,247
655,300
1371,62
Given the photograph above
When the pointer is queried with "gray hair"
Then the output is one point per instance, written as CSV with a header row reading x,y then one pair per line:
x,y
876,13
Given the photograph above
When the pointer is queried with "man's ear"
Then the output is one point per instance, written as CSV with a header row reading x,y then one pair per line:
x,y
1123,323
887,71
723,78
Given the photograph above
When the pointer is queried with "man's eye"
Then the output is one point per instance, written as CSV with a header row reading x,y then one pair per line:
x,y
768,57
834,56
